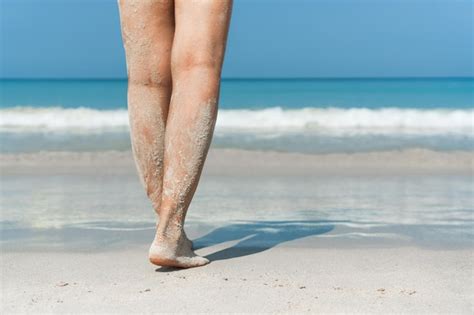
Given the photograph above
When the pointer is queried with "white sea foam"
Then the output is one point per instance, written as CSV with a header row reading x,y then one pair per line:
x,y
274,120
353,120
82,119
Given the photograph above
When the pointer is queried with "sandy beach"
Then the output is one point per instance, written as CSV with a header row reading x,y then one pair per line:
x,y
380,232
280,280
337,139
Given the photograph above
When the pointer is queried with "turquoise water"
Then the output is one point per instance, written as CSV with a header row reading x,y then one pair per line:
x,y
257,93
310,116
302,115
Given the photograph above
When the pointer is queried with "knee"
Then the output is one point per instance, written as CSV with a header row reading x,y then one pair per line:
x,y
151,76
195,61
149,66
150,79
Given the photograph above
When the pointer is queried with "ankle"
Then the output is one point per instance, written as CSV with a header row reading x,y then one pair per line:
x,y
169,231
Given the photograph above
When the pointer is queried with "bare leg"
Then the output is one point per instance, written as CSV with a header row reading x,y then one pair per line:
x,y
147,31
196,62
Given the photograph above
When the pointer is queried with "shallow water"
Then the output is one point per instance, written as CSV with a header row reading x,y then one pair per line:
x,y
111,210
311,116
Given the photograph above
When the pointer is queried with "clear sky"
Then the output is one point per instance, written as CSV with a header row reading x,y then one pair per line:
x,y
268,38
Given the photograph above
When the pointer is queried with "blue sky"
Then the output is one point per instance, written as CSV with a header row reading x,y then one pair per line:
x,y
268,38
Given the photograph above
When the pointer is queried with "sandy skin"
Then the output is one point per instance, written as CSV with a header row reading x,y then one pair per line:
x,y
174,52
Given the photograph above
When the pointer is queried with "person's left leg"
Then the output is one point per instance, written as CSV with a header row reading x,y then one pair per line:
x,y
196,62
147,32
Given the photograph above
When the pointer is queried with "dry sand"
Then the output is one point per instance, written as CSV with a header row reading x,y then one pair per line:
x,y
279,280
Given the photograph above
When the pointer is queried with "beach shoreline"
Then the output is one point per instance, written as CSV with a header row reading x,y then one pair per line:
x,y
379,232
237,162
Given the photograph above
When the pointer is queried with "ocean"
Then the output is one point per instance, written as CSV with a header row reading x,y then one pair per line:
x,y
287,115
418,191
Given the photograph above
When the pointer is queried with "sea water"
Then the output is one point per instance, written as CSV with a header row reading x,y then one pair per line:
x,y
290,115
310,116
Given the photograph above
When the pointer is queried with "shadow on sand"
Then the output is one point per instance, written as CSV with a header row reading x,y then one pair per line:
x,y
256,236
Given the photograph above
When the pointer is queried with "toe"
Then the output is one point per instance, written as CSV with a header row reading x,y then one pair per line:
x,y
200,261
190,262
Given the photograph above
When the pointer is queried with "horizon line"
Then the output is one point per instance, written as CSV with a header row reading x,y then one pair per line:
x,y
242,78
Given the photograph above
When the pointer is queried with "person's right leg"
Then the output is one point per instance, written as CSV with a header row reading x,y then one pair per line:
x,y
198,51
147,32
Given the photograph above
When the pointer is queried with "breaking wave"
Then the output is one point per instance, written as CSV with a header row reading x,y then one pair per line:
x,y
269,120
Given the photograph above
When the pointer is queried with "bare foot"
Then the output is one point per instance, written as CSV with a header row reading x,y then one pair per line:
x,y
174,249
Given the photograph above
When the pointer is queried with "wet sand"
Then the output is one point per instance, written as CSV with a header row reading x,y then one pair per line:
x,y
368,233
240,162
